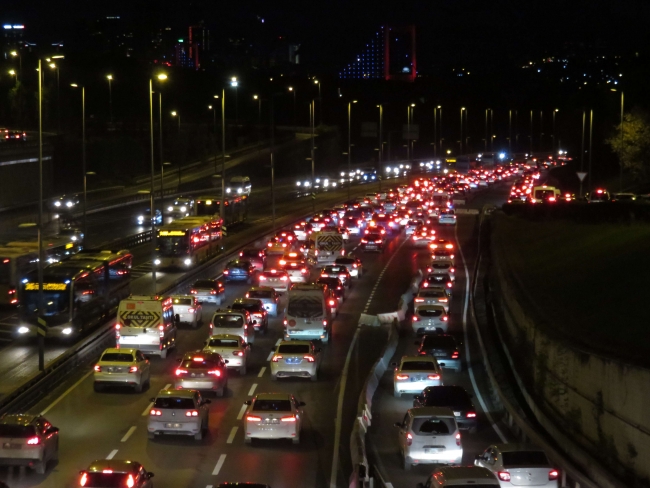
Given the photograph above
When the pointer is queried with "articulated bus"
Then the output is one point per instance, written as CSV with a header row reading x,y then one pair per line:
x,y
55,248
78,292
15,264
187,242
235,208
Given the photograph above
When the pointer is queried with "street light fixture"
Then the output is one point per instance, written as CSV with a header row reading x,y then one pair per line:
x,y
320,101
176,114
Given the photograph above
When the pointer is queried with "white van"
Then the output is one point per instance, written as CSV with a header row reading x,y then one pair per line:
x,y
307,316
460,476
146,323
239,185
233,322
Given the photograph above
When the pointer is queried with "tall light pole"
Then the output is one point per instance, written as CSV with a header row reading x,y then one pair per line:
x,y
272,153
486,127
110,98
174,113
350,144
214,116
591,131
582,149
435,131
492,126
409,114
235,85
510,133
320,103
312,122
531,133
462,109
13,73
55,66
541,128
620,163
222,208
440,130
160,151
259,118
293,90
160,77
381,139
83,152
16,54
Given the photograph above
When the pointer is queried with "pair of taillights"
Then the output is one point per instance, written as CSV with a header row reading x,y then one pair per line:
x,y
98,369
255,418
157,413
440,300
417,319
308,358
553,474
181,372
429,377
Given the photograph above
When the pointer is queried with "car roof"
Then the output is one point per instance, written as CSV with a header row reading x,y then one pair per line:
x,y
225,336
406,359
517,447
452,473
116,465
199,352
297,343
125,350
177,393
272,396
431,412
18,418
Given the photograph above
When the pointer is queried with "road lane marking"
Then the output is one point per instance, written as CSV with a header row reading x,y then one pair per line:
x,y
242,411
217,468
270,356
128,434
231,437
147,410
167,386
277,343
467,352
112,454
261,373
252,390
63,395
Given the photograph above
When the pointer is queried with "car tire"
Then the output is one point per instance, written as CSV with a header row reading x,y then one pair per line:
x,y
220,392
406,464
397,394
296,440
199,435
40,467
242,370
151,435
138,388
274,377
97,387
163,354
314,377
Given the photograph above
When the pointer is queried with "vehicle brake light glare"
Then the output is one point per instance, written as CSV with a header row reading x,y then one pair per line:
x,y
97,368
434,376
118,326
180,372
155,413
238,353
133,369
471,415
290,418
130,481
458,439
324,322
253,418
277,357
454,355
445,318
191,310
553,474
33,441
409,439
309,358
83,480
402,377
215,372
197,358
419,300
192,413
504,475
193,292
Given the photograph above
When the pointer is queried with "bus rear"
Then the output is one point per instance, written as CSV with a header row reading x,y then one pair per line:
x,y
15,264
146,323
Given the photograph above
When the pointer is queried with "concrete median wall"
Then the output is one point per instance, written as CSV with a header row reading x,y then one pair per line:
x,y
594,406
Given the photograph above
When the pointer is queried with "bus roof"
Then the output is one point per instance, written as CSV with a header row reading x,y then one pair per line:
x,y
14,252
98,255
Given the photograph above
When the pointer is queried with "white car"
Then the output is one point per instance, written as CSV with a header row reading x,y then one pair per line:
x,y
126,367
519,465
268,296
429,435
295,358
187,310
435,295
231,348
179,412
429,319
447,217
273,416
442,267
414,373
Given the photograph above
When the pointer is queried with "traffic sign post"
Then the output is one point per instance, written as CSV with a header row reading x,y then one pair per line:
x,y
581,177
224,231
41,329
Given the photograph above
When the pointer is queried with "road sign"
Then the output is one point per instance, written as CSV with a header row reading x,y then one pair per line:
x,y
581,175
41,327
313,196
224,230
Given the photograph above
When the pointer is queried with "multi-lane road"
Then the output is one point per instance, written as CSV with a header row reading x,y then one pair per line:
x,y
99,425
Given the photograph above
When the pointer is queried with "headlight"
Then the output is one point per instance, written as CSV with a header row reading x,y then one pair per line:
x,y
239,190
23,330
67,331
227,190
187,261
73,238
156,262
57,204
297,183
69,204
170,209
183,209
140,219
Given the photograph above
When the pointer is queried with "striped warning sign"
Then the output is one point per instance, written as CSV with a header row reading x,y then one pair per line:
x,y
329,242
139,318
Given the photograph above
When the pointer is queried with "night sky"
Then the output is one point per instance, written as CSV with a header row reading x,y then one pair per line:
x,y
333,31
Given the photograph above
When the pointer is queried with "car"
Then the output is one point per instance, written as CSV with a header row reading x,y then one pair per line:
x,y
273,416
276,279
202,370
182,207
439,254
420,428
28,440
447,217
429,318
114,473
178,412
211,291
414,373
302,230
519,465
336,286
374,228
187,310
238,270
294,264
598,196
444,348
257,257
232,348
235,322
117,367
442,267
256,310
623,197
450,396
268,296
66,202
295,358
385,220
146,218
352,263
433,295
239,185
372,242
411,225
423,236
337,271
434,279
456,476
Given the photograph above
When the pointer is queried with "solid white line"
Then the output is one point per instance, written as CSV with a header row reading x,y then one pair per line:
x,y
468,358
112,454
270,356
231,437
208,486
252,390
339,411
147,410
217,468
242,411
128,434
261,373
51,405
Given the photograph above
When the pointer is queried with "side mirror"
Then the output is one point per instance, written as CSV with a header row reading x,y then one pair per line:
x,y
301,404
247,402
150,475
226,361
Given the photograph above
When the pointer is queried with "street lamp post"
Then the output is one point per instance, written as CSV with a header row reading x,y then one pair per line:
x,y
214,116
222,208
83,152
350,144
293,90
462,109
409,115
110,98
16,54
55,66
381,142
531,133
320,102
174,113
259,118
160,151
486,127
435,131
312,117
554,134
510,133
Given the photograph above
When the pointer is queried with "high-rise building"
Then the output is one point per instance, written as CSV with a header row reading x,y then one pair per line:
x,y
198,44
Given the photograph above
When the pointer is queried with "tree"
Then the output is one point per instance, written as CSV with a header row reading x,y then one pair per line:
x,y
633,146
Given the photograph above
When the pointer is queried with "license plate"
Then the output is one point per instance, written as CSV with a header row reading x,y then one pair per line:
x,y
457,414
272,421
431,450
173,426
293,361
439,354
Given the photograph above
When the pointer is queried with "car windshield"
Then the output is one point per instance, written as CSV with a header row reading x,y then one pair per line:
x,y
446,396
429,312
432,294
223,343
199,362
335,269
524,458
345,261
106,480
251,307
373,236
272,406
175,403
305,309
17,431
441,265
204,284
294,349
239,264
438,342
117,357
228,320
418,366
184,301
442,252
432,426
331,282
260,294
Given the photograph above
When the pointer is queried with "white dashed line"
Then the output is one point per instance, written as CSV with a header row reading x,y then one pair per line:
x,y
231,437
277,343
128,434
147,410
112,454
217,468
242,411
252,390
270,356
261,373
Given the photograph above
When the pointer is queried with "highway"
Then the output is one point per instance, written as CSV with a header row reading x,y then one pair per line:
x,y
98,425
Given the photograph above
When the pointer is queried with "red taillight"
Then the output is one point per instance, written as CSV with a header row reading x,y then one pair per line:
x,y
130,482
225,271
253,418
180,372
290,418
213,292
409,439
83,480
458,439
364,241
324,323
434,376
309,358
192,413
193,292
445,318
262,277
402,377
553,474
354,265
449,284
454,355
331,303
118,326
155,413
415,318
33,441
12,291
97,368
283,278
191,310
503,475
425,284
471,415
303,270
133,369
276,358
215,372
238,353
